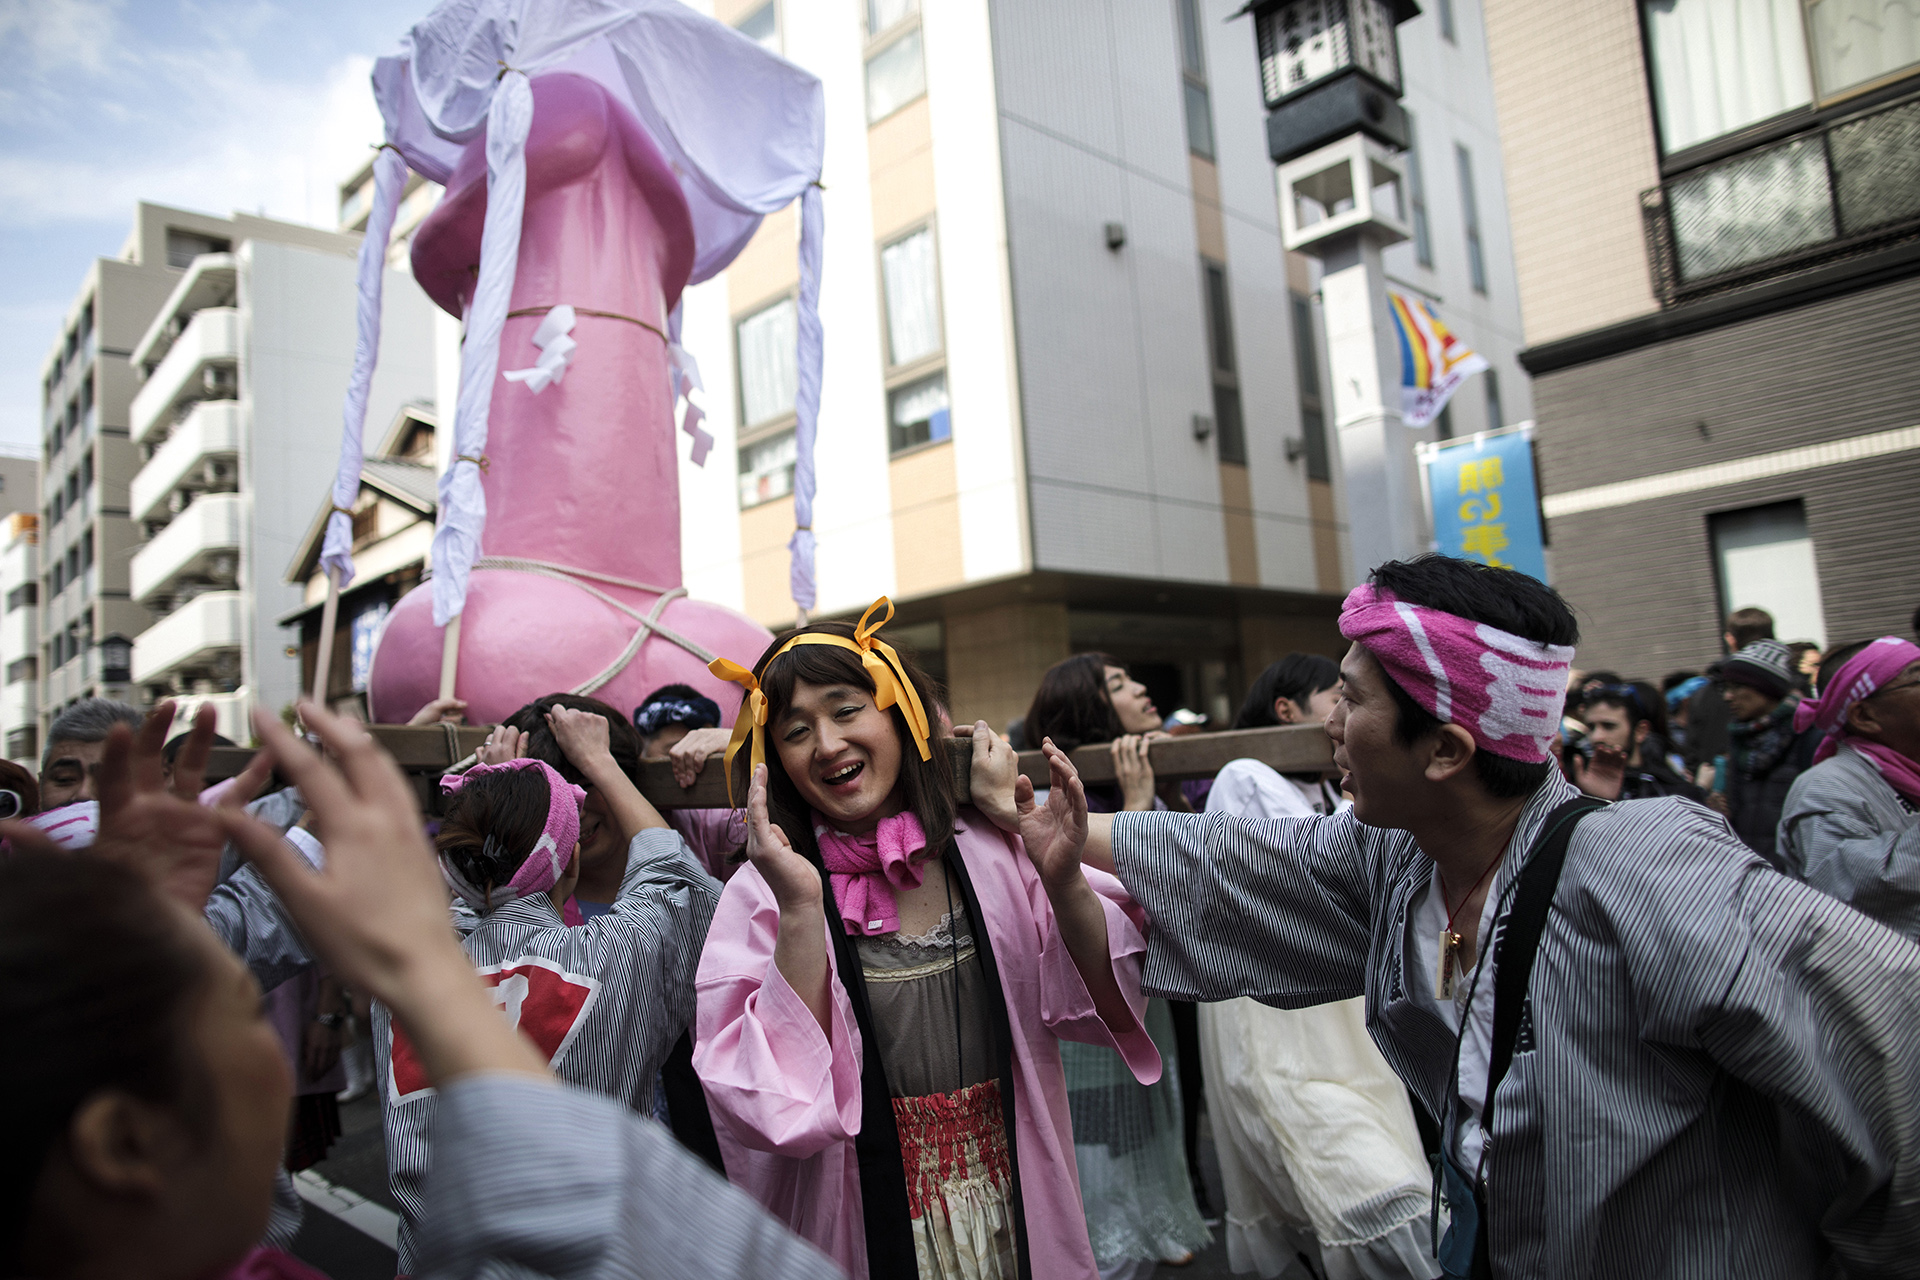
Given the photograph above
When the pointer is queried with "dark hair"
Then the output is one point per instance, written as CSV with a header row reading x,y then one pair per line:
x,y
98,984
18,778
1834,659
1674,679
1296,677
1639,700
1502,598
171,752
623,740
492,823
1748,625
927,784
1072,705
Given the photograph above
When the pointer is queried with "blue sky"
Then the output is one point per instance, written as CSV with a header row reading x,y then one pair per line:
x,y
214,105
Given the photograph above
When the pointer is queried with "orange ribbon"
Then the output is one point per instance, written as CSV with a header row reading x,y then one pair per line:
x,y
879,659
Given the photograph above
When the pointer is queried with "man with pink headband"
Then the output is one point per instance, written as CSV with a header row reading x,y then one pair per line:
x,y
1851,826
1651,1054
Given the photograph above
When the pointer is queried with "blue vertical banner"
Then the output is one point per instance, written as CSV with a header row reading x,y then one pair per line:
x,y
1484,503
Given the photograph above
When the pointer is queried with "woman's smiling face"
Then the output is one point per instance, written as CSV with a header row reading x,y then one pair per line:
x,y
842,754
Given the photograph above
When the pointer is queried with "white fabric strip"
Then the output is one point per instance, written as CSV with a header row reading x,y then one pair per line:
x,y
389,180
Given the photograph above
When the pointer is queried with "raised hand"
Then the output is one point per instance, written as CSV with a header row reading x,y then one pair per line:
x,y
691,752
504,743
159,827
583,735
1055,832
996,777
1133,771
795,882
377,912
442,710
1603,776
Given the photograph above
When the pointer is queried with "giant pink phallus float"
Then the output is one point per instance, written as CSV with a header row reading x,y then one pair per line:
x,y
598,156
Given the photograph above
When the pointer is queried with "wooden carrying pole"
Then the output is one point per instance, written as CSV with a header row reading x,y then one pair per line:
x,y
1297,748
323,660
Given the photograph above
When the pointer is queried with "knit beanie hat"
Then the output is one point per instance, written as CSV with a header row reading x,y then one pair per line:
x,y
1765,665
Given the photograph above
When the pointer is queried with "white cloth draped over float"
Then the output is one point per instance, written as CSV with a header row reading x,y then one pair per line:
x,y
1318,1151
744,130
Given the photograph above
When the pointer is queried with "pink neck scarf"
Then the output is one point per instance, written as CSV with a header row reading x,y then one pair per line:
x,y
1860,677
547,861
866,870
1506,691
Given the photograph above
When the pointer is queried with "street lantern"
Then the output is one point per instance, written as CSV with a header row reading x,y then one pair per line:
x,y
116,659
1329,68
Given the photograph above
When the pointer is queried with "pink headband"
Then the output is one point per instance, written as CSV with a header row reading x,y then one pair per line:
x,y
1504,690
1860,676
547,861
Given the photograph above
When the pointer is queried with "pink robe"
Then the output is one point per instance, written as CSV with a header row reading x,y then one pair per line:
x,y
786,1101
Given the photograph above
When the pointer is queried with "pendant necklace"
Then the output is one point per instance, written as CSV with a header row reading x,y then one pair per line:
x,y
1446,974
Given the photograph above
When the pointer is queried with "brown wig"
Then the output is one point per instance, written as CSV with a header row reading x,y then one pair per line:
x,y
623,740
926,784
1072,705
492,823
99,981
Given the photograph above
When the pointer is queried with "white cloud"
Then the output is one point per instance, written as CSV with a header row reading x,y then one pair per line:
x,y
48,36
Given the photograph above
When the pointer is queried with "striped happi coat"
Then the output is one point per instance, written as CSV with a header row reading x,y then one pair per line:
x,y
604,1001
1720,1073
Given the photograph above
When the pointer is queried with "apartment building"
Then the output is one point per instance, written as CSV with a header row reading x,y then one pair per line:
x,y
20,634
87,536
243,367
1716,223
1062,408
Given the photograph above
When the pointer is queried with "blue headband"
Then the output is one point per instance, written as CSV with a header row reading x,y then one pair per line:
x,y
694,713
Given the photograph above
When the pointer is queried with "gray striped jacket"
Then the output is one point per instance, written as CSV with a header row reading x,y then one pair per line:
x,y
604,1000
534,1179
1720,1073
1846,832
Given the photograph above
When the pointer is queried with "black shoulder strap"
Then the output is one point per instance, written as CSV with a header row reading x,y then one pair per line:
x,y
883,1179
1520,938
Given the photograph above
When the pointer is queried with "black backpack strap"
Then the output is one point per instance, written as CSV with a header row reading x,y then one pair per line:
x,y
1520,939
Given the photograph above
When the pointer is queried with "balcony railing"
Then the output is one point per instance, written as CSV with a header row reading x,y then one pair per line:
x,y
1831,193
193,634
206,531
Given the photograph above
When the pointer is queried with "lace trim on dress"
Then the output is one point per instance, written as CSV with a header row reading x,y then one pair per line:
x,y
941,936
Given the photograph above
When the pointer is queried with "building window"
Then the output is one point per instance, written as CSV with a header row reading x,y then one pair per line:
x,y
766,470
1720,65
27,593
1496,413
1765,559
184,246
769,376
1858,42
1313,417
1229,429
26,668
896,76
884,15
1193,73
1417,190
1470,213
1447,31
918,414
909,274
23,743
762,26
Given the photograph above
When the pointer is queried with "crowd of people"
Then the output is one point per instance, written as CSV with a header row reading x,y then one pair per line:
x,y
850,1025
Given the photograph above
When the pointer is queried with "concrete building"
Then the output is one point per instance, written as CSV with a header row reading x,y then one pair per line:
x,y
88,460
20,636
1061,408
1718,243
243,369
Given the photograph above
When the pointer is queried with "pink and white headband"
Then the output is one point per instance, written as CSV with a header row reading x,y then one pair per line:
x,y
546,862
1505,690
1859,677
